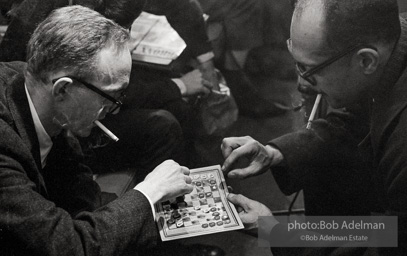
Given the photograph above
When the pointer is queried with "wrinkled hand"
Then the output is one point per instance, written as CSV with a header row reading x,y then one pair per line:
x,y
249,210
209,74
166,181
195,84
261,157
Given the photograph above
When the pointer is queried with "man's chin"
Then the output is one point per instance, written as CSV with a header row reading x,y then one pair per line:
x,y
307,90
334,103
83,132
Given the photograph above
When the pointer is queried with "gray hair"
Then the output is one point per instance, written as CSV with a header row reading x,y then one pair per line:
x,y
70,38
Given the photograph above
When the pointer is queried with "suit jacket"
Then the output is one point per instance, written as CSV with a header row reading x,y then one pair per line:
x,y
386,143
384,151
57,210
187,19
325,163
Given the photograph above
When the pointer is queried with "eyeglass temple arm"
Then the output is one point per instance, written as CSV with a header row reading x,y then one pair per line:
x,y
329,61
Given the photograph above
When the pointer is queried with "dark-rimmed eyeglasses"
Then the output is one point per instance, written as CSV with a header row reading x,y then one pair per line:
x,y
307,74
118,102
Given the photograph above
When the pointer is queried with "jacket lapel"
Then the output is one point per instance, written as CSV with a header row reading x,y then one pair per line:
x,y
20,111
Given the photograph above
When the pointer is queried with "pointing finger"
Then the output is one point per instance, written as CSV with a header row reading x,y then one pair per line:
x,y
234,156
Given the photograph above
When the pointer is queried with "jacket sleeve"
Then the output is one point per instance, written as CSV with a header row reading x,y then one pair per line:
x,y
331,142
187,19
150,89
392,173
32,224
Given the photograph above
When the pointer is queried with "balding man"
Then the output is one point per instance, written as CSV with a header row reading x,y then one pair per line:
x,y
349,50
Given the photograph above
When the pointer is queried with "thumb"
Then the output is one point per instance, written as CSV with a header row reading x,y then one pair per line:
x,y
237,174
238,200
232,198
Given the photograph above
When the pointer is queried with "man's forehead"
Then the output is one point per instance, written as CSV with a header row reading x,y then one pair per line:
x,y
307,32
114,66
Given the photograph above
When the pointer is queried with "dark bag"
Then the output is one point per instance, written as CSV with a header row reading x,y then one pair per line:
x,y
218,111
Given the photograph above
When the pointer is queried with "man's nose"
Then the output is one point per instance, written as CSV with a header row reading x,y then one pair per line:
x,y
115,111
306,88
102,112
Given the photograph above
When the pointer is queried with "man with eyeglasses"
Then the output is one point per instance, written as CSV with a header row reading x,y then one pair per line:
x,y
160,124
78,66
350,52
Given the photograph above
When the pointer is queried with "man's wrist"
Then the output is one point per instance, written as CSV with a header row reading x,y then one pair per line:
x,y
149,191
141,188
275,155
181,85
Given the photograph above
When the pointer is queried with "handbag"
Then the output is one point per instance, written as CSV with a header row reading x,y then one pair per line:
x,y
217,111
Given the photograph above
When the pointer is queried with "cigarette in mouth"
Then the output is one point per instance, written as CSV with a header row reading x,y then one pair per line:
x,y
314,110
107,131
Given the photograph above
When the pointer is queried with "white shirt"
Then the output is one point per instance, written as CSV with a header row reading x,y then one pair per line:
x,y
149,200
201,59
43,138
181,86
46,143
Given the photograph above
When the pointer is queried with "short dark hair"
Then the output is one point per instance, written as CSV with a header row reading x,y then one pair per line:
x,y
124,12
350,22
70,38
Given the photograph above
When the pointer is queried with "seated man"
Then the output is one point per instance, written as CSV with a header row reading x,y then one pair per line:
x,y
150,91
320,161
242,23
363,58
187,19
49,204
238,27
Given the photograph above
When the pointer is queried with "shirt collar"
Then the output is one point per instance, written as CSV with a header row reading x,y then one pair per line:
x,y
44,139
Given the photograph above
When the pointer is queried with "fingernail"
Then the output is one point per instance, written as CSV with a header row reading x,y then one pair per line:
x,y
232,175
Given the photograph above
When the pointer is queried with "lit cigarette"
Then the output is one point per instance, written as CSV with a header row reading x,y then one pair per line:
x,y
314,111
107,131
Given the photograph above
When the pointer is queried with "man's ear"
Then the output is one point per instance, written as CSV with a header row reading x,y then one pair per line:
x,y
59,88
368,60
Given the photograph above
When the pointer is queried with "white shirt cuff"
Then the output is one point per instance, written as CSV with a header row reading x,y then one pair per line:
x,y
149,200
180,85
205,57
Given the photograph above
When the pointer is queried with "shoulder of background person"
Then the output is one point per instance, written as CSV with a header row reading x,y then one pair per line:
x,y
10,69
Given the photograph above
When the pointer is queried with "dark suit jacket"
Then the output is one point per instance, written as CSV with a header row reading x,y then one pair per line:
x,y
58,210
325,163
